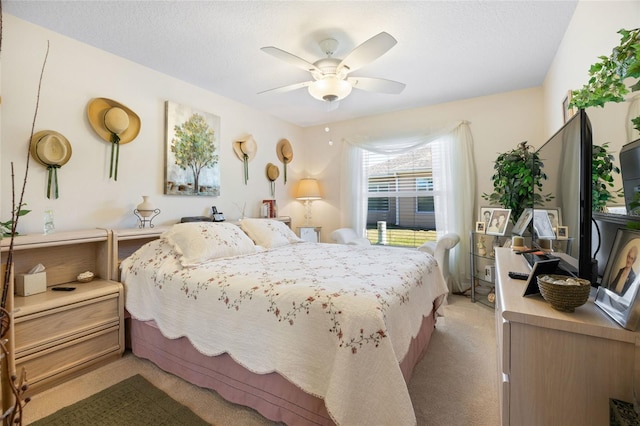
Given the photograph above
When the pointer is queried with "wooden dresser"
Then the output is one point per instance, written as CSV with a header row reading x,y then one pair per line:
x,y
60,334
557,368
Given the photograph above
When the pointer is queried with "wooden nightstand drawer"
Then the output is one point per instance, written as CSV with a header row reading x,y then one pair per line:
x,y
53,326
61,360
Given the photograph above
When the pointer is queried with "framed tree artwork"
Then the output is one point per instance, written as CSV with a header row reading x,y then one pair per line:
x,y
192,151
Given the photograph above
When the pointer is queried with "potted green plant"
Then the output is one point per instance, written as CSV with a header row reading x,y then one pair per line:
x,y
602,178
517,180
608,77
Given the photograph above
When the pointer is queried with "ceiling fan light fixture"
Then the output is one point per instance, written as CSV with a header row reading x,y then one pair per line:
x,y
330,89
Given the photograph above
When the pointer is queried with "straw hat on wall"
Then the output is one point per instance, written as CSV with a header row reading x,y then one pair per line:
x,y
272,174
245,149
114,123
285,154
52,150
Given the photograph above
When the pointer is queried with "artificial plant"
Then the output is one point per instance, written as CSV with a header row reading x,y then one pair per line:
x,y
602,177
517,181
608,77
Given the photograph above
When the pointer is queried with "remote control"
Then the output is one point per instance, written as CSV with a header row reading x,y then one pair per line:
x,y
518,275
63,288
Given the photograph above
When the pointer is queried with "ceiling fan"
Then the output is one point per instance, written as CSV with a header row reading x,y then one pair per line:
x,y
330,75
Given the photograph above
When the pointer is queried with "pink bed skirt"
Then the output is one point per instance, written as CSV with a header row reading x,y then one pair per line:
x,y
270,394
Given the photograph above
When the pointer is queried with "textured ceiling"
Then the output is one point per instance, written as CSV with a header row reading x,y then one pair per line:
x,y
446,51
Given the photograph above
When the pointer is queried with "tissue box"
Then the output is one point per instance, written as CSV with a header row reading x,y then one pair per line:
x,y
28,284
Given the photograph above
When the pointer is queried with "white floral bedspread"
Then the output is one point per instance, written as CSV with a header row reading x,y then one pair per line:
x,y
335,320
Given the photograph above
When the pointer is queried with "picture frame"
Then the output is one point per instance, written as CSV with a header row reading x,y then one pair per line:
x,y
555,216
192,151
480,227
617,296
567,112
542,224
523,221
498,222
485,215
562,233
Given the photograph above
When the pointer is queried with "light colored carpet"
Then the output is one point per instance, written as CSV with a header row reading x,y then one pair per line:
x,y
455,383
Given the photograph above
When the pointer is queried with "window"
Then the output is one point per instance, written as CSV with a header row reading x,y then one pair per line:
x,y
378,204
400,206
424,204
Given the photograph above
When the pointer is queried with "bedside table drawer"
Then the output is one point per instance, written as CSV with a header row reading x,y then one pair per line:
x,y
64,323
69,356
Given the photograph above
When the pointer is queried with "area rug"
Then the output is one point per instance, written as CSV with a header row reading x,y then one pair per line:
x,y
131,402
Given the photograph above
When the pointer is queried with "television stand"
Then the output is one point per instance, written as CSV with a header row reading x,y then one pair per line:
x,y
556,367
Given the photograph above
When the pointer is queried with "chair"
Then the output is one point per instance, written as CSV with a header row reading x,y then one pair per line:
x,y
440,250
348,236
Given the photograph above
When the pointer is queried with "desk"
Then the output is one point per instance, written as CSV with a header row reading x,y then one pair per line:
x,y
557,368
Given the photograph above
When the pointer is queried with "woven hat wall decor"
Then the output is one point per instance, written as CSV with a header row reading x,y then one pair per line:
x,y
273,172
115,123
53,151
285,154
245,149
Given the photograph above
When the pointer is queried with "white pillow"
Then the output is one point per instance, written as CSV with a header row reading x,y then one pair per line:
x,y
199,242
269,233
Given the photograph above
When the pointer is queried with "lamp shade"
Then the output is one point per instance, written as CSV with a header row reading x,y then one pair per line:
x,y
330,88
308,189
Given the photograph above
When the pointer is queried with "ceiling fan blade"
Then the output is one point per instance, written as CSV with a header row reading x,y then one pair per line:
x,y
368,51
288,88
290,58
379,85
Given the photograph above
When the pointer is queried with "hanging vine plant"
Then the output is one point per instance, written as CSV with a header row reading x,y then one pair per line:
x,y
608,78
517,181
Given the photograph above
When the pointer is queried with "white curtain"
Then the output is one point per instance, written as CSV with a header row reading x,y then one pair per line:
x,y
454,176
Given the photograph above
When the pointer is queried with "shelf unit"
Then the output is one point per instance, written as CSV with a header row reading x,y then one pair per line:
x,y
483,266
127,241
59,335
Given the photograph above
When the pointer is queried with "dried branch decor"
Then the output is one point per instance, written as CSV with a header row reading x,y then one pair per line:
x,y
13,414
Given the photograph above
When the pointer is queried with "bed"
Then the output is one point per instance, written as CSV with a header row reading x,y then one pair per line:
x,y
305,333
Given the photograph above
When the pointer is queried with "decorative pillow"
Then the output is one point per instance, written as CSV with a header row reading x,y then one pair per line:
x,y
269,233
199,242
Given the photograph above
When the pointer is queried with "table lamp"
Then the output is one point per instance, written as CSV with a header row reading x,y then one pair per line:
x,y
308,190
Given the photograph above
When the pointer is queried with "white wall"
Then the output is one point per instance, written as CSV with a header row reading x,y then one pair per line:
x,y
591,33
75,73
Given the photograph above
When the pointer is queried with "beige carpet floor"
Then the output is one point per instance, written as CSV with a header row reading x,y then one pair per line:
x,y
455,383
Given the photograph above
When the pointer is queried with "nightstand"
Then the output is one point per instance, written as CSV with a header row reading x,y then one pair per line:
x,y
60,334
310,233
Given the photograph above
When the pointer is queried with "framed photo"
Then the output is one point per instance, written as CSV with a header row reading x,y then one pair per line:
x,y
523,221
480,227
498,221
542,224
192,151
618,295
554,217
562,233
485,215
567,112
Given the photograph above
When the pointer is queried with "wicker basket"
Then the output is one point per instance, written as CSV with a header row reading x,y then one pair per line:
x,y
564,297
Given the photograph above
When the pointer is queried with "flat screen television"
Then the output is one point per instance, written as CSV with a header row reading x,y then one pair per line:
x,y
567,160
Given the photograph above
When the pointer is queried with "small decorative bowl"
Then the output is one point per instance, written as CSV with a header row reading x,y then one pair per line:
x,y
564,293
85,277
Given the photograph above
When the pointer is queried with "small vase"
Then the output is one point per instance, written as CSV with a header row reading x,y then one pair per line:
x,y
145,208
